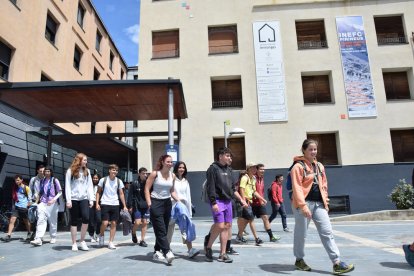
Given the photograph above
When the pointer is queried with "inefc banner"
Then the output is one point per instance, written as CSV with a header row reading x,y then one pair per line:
x,y
270,76
355,67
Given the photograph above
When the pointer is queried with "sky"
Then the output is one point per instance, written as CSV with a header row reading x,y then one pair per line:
x,y
121,19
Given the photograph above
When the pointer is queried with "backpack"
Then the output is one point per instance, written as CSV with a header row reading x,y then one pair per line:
x,y
42,185
269,193
289,178
204,194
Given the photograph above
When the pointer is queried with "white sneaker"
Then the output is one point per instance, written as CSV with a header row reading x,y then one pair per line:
x,y
83,246
74,247
193,252
101,240
53,240
36,242
111,246
92,238
158,256
170,257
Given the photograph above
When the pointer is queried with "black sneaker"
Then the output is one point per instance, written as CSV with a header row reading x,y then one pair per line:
x,y
241,239
143,243
301,265
231,251
224,258
259,241
134,238
206,239
342,268
209,255
7,238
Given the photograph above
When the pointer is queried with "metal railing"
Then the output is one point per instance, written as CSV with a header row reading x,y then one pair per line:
x,y
384,40
312,44
221,103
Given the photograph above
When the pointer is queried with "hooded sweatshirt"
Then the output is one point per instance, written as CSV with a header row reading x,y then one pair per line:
x,y
220,184
302,186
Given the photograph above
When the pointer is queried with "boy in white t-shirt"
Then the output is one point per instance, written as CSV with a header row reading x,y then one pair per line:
x,y
107,200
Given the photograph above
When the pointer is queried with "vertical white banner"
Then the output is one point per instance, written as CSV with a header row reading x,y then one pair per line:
x,y
270,75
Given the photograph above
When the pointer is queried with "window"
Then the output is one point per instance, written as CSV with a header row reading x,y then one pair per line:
x,y
226,93
5,59
396,85
327,152
222,40
93,127
390,30
165,44
237,146
81,15
51,29
77,58
96,74
122,74
316,89
108,129
135,77
158,149
111,60
43,77
311,35
403,145
98,41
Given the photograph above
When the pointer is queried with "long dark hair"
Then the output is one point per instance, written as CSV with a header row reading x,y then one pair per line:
x,y
176,169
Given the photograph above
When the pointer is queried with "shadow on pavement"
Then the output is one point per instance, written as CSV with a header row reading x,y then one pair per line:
x,y
286,269
402,265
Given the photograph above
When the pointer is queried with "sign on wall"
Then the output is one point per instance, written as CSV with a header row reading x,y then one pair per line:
x,y
270,75
355,67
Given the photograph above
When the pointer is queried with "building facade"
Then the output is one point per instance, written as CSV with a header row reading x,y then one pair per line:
x,y
51,40
358,106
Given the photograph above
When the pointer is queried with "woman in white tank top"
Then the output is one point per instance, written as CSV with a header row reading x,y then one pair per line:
x,y
159,189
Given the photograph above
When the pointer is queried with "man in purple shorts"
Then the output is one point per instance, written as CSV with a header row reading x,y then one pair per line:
x,y
220,191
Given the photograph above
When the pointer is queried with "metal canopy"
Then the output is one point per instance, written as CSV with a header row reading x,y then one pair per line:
x,y
95,101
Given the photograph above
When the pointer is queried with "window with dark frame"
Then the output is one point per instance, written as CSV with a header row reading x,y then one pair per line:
x,y
311,34
327,148
390,30
135,77
77,58
98,41
108,129
396,85
316,89
81,15
226,93
122,74
5,60
165,44
93,127
111,60
96,74
51,29
222,40
403,145
237,146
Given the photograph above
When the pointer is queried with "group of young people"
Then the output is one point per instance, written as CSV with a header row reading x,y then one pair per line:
x,y
309,202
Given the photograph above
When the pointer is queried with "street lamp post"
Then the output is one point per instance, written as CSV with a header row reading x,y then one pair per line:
x,y
234,131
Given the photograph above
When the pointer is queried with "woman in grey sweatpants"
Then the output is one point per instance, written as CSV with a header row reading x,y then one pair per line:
x,y
310,202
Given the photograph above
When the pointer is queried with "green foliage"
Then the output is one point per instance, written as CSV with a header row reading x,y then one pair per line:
x,y
402,195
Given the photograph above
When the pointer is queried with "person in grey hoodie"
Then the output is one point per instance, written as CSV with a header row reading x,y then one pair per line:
x,y
79,197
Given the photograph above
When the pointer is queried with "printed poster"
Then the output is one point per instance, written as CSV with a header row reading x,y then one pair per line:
x,y
270,75
355,67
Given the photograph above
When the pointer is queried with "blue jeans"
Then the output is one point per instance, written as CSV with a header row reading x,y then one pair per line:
x,y
281,210
323,224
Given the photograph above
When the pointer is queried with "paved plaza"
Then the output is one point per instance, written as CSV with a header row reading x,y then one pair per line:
x,y
374,247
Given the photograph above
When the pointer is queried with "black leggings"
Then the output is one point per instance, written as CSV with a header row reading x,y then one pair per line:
x,y
80,209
